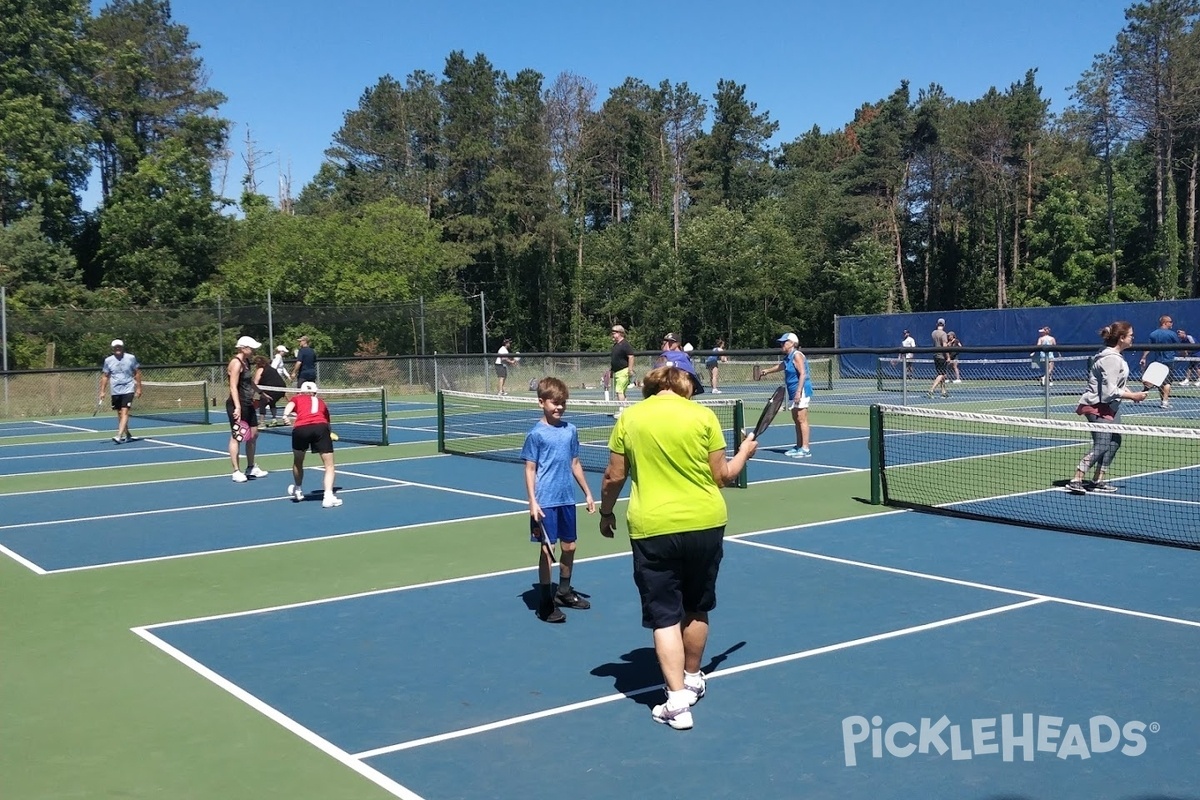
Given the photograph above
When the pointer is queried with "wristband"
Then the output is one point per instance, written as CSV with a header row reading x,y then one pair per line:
x,y
607,514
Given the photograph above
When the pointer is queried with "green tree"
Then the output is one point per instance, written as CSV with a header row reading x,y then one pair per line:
x,y
733,159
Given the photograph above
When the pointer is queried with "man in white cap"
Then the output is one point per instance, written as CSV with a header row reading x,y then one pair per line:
x,y
239,407
123,373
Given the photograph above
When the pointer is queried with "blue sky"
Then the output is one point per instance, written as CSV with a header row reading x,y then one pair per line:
x,y
291,69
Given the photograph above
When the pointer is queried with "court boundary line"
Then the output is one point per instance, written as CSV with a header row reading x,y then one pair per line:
x,y
767,662
278,717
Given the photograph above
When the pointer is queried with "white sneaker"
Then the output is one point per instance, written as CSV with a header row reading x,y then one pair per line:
x,y
331,502
295,492
1164,404
697,689
1185,382
716,391
239,476
678,718
957,380
257,472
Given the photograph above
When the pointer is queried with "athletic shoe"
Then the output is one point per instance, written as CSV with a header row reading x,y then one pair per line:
x,y
678,718
697,689
793,453
331,502
1185,382
256,472
295,492
803,452
945,394
1075,487
1103,486
571,599
1164,404
239,476
956,380
929,395
551,614
120,439
718,391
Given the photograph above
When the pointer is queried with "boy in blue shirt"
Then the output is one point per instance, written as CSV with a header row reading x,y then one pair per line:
x,y
551,455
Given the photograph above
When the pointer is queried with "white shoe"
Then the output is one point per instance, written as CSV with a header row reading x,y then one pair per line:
x,y
1164,404
697,689
295,492
257,472
678,718
239,476
331,502
716,391
957,380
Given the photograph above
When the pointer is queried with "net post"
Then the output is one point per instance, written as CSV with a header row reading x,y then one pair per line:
x,y
204,395
879,374
383,416
739,435
441,417
876,443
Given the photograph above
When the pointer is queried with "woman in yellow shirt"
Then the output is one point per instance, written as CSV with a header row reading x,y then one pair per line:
x,y
675,449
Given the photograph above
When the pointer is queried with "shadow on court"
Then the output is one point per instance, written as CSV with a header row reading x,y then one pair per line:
x,y
638,676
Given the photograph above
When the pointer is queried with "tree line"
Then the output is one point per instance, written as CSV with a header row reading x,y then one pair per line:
x,y
654,206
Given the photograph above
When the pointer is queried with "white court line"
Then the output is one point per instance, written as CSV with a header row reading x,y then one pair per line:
x,y
175,509
68,427
20,559
816,651
970,584
322,744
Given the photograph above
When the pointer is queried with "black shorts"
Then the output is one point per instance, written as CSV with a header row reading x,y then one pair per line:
x,y
120,401
676,573
314,438
940,365
501,371
249,413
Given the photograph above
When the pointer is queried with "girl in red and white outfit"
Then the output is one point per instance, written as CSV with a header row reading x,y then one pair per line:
x,y
310,431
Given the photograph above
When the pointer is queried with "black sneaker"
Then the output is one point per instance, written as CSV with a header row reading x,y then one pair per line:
x,y
1075,487
551,614
571,599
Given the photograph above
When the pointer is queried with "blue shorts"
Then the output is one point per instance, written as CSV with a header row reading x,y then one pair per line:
x,y
559,524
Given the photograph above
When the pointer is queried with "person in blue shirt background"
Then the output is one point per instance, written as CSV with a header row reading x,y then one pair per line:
x,y
799,387
1162,335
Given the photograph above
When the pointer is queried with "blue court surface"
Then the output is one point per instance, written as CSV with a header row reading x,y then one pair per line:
x,y
900,655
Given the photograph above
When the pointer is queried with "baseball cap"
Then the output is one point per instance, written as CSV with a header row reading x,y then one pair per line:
x,y
941,321
1044,330
117,343
687,348
789,337
670,337
308,387
618,329
281,348
248,341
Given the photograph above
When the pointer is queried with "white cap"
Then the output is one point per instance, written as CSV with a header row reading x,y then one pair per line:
x,y
687,348
117,343
789,337
941,322
248,341
281,348
308,387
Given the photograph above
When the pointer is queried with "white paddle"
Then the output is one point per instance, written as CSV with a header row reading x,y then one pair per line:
x,y
1156,374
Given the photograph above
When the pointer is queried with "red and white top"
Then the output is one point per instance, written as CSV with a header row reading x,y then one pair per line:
x,y
309,410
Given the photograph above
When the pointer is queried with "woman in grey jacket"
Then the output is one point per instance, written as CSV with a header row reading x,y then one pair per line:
x,y
1101,403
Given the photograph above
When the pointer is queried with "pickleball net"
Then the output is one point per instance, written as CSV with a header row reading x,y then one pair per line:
x,y
183,402
357,415
1015,470
995,375
494,427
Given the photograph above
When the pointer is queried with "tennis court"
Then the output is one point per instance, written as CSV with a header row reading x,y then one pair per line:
x,y
196,638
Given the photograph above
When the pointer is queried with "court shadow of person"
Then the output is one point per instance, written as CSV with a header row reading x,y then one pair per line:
x,y
638,676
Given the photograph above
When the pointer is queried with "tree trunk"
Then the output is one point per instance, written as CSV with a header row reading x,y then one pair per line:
x,y
1191,220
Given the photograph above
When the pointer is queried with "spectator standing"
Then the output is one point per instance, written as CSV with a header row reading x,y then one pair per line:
x,y
121,373
1162,335
620,361
908,343
503,361
953,342
1190,366
713,362
305,368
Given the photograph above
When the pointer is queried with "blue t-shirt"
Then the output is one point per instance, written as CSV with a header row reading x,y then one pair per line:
x,y
1163,336
120,373
308,364
553,448
791,377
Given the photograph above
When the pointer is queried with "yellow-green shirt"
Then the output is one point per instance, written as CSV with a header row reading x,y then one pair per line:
x,y
666,440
